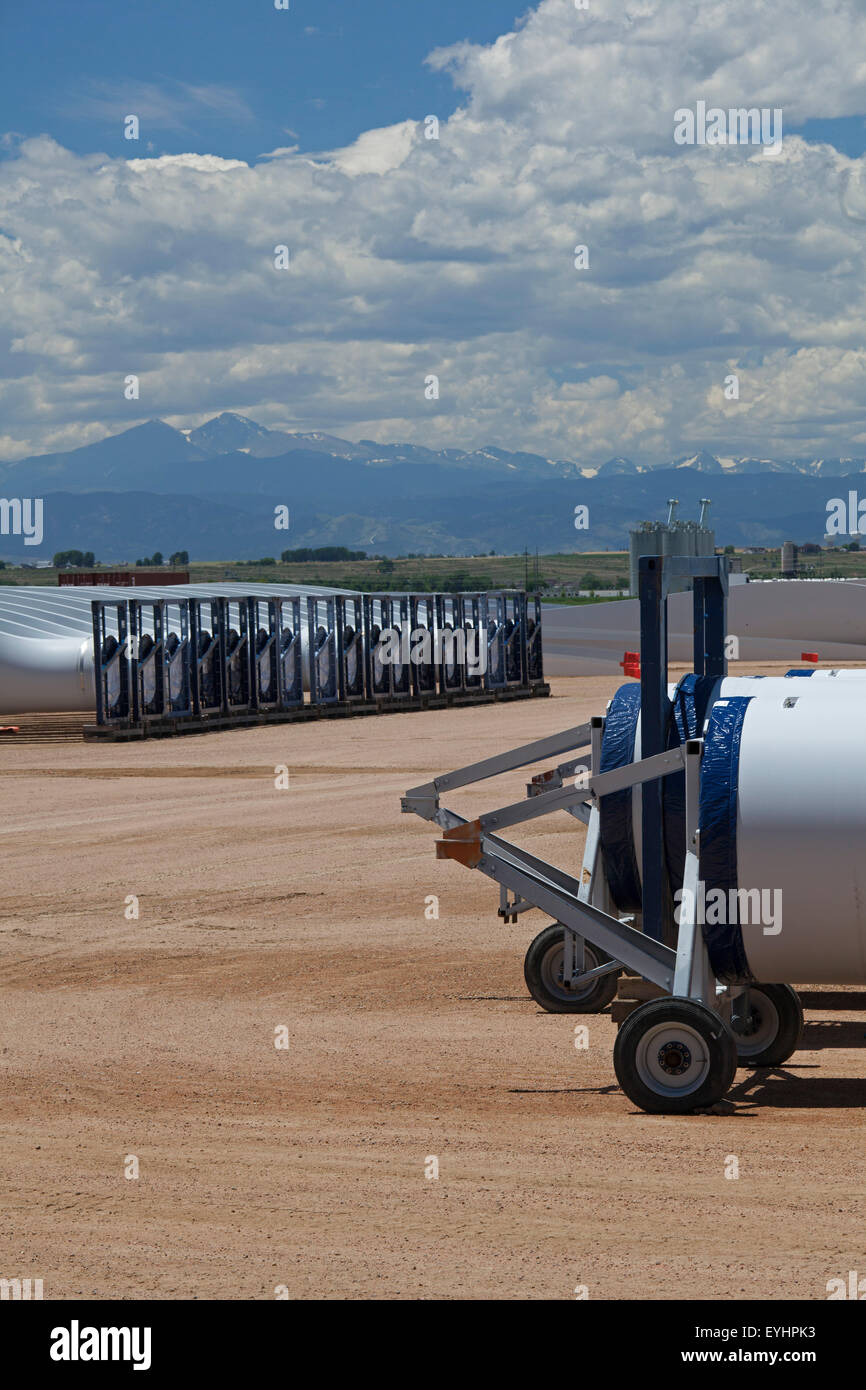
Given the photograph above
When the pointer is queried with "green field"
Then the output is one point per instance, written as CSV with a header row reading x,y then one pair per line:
x,y
449,573
445,573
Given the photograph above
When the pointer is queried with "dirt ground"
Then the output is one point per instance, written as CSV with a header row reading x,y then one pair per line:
x,y
304,1167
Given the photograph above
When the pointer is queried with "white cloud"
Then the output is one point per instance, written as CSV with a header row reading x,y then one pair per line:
x,y
201,163
411,256
164,106
376,151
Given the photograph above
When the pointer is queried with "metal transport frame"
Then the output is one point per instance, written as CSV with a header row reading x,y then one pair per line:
x,y
170,666
111,666
679,1051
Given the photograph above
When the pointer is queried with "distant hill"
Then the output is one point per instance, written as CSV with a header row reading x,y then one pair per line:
x,y
213,490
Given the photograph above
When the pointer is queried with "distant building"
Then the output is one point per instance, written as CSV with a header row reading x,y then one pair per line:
x,y
789,560
115,579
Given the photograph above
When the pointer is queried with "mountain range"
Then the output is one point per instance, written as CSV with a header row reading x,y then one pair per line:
x,y
213,490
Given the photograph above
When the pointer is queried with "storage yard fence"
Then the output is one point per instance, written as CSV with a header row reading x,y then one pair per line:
x,y
178,665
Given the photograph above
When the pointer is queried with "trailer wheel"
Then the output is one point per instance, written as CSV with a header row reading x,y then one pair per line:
x,y
542,971
771,1031
674,1055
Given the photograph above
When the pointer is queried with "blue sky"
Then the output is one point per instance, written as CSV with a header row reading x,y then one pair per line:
x,y
325,69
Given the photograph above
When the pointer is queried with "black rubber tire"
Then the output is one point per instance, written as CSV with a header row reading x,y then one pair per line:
x,y
646,1065
787,1026
541,970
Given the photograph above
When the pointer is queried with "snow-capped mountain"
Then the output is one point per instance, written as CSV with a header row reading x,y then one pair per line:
x,y
212,490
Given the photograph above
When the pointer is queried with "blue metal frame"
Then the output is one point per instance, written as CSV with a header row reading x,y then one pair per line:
x,y
657,579
206,627
111,662
290,655
229,659
264,653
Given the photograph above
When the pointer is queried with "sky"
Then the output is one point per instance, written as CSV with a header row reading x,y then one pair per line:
x,y
229,77
412,257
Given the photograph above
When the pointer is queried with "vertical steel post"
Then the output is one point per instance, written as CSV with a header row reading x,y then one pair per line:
x,y
699,615
710,621
98,621
135,676
653,715
715,621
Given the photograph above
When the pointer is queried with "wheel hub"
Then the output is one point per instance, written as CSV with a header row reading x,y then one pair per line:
x,y
757,1027
746,1026
553,971
674,1058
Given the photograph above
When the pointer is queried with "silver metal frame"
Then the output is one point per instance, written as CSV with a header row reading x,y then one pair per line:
x,y
582,906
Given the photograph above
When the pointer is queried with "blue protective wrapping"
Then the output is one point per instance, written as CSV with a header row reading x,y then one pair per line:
x,y
616,830
688,713
718,834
